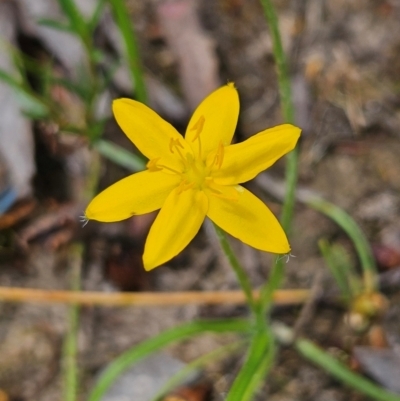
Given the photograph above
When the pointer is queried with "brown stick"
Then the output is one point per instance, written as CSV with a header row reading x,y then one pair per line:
x,y
15,294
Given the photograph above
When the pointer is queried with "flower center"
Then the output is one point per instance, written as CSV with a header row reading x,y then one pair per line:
x,y
196,173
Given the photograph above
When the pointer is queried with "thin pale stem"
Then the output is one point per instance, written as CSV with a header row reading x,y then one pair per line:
x,y
16,294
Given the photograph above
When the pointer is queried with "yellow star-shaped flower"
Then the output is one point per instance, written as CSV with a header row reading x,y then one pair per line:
x,y
196,176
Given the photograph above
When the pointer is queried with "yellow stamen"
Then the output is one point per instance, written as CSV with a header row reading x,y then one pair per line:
x,y
219,157
175,144
198,127
152,165
184,186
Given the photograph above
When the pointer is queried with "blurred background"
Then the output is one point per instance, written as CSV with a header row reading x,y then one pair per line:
x,y
61,67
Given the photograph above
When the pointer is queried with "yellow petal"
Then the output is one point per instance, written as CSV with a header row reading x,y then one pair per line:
x,y
243,161
214,121
139,193
177,223
149,132
249,220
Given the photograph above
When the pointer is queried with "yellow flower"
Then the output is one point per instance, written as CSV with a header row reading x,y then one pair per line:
x,y
196,176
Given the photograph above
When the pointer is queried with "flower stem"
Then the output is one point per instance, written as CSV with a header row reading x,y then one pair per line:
x,y
237,268
287,110
280,60
277,272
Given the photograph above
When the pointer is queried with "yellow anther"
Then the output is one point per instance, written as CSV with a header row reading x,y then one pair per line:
x,y
219,157
184,186
198,127
152,165
174,144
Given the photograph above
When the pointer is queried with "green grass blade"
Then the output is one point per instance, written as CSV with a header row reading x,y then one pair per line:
x,y
70,349
198,363
76,19
133,355
278,270
119,155
30,103
239,271
124,23
342,372
59,26
259,360
347,223
339,265
287,107
97,13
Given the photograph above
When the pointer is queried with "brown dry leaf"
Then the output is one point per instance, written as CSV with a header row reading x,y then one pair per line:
x,y
16,214
58,224
192,47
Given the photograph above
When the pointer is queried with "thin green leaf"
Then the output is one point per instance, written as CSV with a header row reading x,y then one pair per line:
x,y
109,73
133,355
238,269
339,265
342,372
119,155
54,24
347,223
199,363
259,360
95,18
30,103
10,80
76,19
287,108
70,348
124,23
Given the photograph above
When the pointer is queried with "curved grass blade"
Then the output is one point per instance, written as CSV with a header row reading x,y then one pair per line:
x,y
200,362
342,372
140,351
347,223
